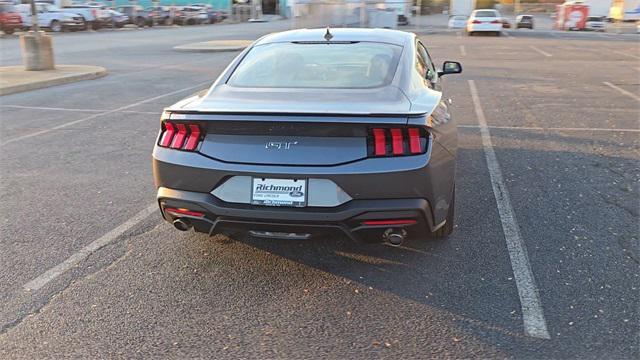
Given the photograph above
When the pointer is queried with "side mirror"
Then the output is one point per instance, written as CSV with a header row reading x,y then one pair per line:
x,y
450,67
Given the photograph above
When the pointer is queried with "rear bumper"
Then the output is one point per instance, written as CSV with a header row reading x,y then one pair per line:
x,y
484,27
221,217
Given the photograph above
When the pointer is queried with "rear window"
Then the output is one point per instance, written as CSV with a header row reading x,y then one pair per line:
x,y
486,13
318,65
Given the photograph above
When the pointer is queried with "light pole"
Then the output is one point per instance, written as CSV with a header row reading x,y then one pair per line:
x,y
34,19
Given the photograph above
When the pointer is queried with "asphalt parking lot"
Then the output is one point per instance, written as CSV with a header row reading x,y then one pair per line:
x,y
543,262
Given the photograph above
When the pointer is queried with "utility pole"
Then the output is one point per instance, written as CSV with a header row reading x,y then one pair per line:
x,y
34,19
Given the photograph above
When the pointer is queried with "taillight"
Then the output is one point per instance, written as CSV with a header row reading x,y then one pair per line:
x,y
397,141
476,22
180,136
496,22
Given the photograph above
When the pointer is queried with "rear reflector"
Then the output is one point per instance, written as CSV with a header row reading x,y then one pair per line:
x,y
180,136
183,212
404,141
389,222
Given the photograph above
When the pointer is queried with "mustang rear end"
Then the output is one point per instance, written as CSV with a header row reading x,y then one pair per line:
x,y
312,132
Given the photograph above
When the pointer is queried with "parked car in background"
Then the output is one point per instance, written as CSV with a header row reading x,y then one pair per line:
x,y
484,20
91,14
51,17
10,19
505,23
212,15
193,15
595,23
136,14
457,22
163,15
115,19
524,22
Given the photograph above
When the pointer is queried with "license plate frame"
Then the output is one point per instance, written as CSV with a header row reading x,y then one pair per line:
x,y
277,192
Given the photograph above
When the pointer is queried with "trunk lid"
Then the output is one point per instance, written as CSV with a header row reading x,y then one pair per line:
x,y
228,99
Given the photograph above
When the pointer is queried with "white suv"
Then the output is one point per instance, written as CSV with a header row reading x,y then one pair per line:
x,y
484,20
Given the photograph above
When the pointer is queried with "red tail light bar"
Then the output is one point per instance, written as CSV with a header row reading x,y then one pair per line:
x,y
180,136
397,142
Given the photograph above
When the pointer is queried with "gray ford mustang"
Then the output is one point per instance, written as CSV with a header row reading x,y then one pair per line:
x,y
314,131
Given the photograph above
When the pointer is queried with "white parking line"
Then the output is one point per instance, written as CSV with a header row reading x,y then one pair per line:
x,y
463,52
76,110
622,91
91,117
540,51
50,108
83,253
535,324
625,54
536,128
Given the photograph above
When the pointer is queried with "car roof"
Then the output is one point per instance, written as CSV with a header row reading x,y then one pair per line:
x,y
340,34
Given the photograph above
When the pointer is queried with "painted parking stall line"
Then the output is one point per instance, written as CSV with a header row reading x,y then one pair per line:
x,y
91,117
537,128
625,54
83,253
535,324
463,52
540,51
622,91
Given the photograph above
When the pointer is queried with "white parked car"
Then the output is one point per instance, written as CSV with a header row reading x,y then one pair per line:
x,y
457,22
51,17
484,20
595,23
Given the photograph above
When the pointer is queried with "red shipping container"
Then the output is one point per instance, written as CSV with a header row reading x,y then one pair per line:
x,y
572,17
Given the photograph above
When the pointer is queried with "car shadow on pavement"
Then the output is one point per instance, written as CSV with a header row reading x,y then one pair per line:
x,y
467,275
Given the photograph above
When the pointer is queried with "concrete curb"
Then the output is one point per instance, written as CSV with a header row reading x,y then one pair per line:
x,y
215,46
66,75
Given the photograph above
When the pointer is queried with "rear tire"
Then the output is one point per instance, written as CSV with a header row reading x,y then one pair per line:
x,y
8,31
446,229
470,33
55,26
140,22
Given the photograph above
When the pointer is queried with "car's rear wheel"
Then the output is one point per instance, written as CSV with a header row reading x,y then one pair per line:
x,y
470,33
95,25
8,31
446,229
140,21
55,26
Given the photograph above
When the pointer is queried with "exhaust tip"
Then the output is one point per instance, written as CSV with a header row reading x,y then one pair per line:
x,y
395,237
181,224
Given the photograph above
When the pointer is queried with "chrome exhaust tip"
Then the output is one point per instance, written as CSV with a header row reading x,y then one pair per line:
x,y
182,224
395,237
